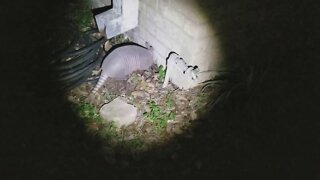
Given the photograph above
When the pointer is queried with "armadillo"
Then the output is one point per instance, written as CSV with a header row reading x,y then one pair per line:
x,y
124,60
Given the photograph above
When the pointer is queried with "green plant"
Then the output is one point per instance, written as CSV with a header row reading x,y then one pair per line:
x,y
172,115
169,101
162,73
88,112
158,117
110,132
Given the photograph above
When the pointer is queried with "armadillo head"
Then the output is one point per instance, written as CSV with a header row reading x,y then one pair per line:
x,y
152,52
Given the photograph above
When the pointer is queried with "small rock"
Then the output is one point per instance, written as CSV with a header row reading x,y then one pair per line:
x,y
107,46
114,111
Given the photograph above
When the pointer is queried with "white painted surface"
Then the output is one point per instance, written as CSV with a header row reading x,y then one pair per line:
x,y
178,26
120,19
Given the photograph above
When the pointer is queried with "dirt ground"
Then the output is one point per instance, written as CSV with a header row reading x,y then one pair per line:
x,y
176,108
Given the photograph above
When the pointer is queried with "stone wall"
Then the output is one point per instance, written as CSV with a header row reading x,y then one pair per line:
x,y
100,3
179,26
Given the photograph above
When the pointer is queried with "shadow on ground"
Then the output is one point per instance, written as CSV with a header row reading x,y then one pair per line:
x,y
271,134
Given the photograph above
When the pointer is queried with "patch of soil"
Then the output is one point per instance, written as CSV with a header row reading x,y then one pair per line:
x,y
140,89
177,108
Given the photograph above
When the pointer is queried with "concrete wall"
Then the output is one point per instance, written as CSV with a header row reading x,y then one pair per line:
x,y
179,26
100,3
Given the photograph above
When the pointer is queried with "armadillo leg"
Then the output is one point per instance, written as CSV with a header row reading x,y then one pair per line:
x,y
101,81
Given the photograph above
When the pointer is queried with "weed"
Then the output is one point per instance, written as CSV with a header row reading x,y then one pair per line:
x,y
169,101
110,132
158,117
88,112
162,73
172,115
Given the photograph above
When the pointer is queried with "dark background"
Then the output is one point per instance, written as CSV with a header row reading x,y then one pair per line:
x,y
272,133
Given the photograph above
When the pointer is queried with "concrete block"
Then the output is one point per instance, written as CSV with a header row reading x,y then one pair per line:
x,y
100,3
123,17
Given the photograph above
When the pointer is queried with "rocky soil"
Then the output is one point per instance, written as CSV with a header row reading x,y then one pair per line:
x,y
162,112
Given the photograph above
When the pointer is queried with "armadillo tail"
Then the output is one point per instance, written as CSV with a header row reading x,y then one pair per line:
x,y
101,81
